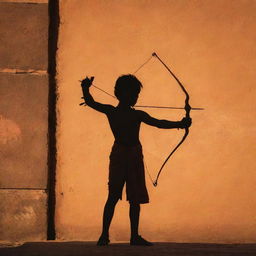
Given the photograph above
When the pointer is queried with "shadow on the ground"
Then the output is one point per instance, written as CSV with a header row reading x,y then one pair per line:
x,y
124,249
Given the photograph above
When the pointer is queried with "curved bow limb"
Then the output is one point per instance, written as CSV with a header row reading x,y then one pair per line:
x,y
187,109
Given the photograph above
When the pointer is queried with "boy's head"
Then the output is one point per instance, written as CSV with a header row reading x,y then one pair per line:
x,y
127,89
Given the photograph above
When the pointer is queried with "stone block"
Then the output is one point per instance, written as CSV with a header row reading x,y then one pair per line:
x,y
23,130
23,215
24,35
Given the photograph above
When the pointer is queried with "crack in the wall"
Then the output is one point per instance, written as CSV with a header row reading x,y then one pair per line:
x,y
23,71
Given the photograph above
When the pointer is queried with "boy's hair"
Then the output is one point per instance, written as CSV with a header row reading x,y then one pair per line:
x,y
127,84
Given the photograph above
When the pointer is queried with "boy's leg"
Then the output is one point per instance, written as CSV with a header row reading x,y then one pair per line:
x,y
107,217
136,239
134,219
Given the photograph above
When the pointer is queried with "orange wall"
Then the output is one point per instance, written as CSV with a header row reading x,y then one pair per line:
x,y
206,192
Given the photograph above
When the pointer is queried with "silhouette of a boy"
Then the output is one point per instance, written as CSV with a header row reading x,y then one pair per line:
x,y
126,158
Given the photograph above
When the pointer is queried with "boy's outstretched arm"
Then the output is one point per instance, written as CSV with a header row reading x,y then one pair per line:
x,y
165,124
86,84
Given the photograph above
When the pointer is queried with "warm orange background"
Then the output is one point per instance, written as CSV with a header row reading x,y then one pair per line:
x,y
206,192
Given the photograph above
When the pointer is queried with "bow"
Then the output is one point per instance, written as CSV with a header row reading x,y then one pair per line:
x,y
187,109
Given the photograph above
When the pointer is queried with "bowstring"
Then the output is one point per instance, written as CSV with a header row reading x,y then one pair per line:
x,y
140,67
148,172
104,91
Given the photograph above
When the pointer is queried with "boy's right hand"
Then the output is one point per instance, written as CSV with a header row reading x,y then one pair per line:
x,y
87,82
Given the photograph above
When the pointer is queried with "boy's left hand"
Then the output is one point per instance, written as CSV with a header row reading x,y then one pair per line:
x,y
186,122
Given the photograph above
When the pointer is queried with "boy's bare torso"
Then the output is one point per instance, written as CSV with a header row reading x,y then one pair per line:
x,y
125,125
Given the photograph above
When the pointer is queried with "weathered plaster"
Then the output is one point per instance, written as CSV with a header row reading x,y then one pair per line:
x,y
22,215
23,130
24,36
24,88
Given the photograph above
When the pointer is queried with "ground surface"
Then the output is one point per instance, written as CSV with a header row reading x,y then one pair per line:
x,y
122,249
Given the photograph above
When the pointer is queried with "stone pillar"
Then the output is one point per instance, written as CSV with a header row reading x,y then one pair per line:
x,y
24,92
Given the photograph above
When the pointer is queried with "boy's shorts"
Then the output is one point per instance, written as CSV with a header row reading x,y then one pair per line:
x,y
126,166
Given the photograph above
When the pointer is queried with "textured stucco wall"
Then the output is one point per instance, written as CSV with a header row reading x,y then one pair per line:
x,y
24,36
207,191
23,120
23,217
23,131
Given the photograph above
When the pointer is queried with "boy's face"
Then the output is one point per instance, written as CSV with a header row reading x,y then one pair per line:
x,y
130,99
133,99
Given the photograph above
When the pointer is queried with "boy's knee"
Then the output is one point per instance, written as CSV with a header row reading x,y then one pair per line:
x,y
112,199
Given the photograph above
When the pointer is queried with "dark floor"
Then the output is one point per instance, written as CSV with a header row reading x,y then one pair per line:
x,y
159,249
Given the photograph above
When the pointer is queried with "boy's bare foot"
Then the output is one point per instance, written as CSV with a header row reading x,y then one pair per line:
x,y
103,241
138,240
